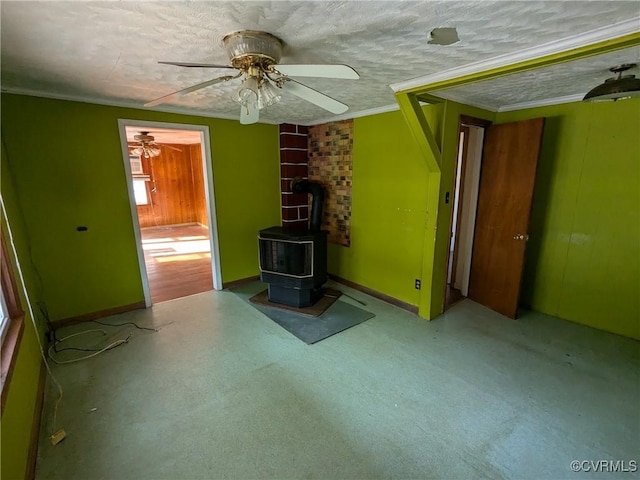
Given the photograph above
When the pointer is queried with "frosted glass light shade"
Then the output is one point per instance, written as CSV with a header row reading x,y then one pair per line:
x,y
147,151
247,93
268,95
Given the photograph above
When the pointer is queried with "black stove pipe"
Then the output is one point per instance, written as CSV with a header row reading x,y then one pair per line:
x,y
299,185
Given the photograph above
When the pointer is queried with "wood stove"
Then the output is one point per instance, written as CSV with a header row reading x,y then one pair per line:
x,y
293,262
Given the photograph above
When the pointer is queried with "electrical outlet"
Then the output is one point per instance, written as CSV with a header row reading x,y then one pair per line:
x,y
418,284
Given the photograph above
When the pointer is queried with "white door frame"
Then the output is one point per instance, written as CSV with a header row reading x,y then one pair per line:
x,y
469,207
207,169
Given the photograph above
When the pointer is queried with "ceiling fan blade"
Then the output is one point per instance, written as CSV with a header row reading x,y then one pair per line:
x,y
196,65
184,91
313,96
321,71
249,114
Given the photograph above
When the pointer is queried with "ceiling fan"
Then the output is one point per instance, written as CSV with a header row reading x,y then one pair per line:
x,y
256,55
148,146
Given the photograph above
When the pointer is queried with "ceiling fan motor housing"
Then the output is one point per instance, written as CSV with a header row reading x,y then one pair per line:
x,y
144,137
248,48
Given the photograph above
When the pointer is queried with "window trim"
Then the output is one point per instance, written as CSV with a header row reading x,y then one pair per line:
x,y
12,340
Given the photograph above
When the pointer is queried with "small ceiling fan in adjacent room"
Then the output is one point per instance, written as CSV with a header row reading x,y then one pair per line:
x,y
148,147
256,55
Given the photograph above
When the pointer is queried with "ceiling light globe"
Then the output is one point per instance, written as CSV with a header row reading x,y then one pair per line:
x,y
268,94
153,151
616,88
247,93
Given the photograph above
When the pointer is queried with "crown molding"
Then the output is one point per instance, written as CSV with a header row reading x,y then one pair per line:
x,y
122,104
542,103
186,111
348,116
601,34
514,106
465,101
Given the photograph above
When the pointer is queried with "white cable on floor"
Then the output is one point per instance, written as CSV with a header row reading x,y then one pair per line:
x,y
33,317
108,347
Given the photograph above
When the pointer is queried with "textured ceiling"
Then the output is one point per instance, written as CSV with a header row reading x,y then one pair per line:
x,y
564,80
108,51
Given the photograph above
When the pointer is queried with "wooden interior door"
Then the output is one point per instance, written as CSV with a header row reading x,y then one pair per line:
x,y
509,162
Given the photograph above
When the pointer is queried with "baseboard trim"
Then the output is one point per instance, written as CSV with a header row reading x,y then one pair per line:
x,y
32,456
242,281
348,283
86,317
381,296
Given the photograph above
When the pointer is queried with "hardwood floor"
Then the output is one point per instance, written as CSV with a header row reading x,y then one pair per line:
x,y
178,260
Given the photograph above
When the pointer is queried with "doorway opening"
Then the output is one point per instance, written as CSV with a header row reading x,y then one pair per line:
x,y
465,203
170,185
490,219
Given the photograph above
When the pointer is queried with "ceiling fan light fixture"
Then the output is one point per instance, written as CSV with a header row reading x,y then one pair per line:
x,y
257,92
146,148
247,93
616,88
268,94
146,151
257,55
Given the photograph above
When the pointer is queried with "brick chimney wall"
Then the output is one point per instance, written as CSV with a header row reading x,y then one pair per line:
x,y
330,164
293,163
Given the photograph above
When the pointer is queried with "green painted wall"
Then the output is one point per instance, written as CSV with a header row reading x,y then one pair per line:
x,y
583,256
584,250
389,190
18,414
393,195
68,168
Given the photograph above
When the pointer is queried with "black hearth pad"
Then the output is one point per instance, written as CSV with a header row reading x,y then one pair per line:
x,y
337,318
315,310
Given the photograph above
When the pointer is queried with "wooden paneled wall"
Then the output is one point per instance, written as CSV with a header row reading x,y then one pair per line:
x,y
176,188
198,184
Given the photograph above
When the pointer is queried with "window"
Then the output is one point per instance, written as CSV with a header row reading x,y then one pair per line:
x,y
136,165
12,319
4,316
140,191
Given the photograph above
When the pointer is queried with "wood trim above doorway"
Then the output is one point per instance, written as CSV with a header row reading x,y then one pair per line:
x,y
476,122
